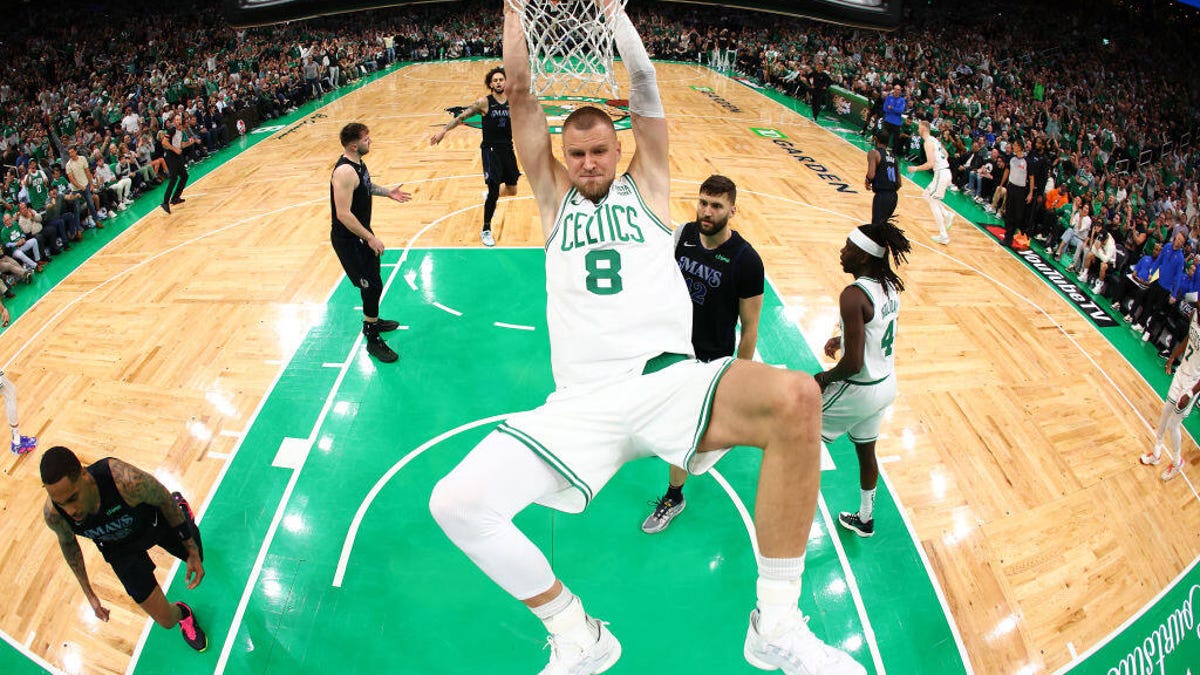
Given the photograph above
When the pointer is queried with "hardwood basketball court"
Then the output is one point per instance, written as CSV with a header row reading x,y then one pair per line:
x,y
1011,450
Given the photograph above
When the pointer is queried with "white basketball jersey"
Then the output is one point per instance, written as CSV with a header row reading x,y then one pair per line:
x,y
615,296
878,358
1189,367
935,151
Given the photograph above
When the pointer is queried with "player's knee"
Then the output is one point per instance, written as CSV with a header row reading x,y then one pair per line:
x,y
457,507
801,398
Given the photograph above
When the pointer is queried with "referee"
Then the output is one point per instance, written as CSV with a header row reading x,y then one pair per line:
x,y
1020,192
357,247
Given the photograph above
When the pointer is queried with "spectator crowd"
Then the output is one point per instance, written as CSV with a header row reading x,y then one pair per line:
x,y
1108,122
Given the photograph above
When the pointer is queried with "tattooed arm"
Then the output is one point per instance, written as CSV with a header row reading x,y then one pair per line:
x,y
73,555
138,487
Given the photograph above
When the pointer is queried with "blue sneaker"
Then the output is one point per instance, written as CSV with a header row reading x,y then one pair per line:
x,y
27,445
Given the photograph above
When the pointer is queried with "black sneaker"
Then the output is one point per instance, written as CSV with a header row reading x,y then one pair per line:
x,y
192,633
380,350
387,325
165,207
852,522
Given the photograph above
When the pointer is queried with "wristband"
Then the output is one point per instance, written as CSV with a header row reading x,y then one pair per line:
x,y
184,530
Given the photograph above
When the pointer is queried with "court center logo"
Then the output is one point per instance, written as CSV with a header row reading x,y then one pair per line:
x,y
557,108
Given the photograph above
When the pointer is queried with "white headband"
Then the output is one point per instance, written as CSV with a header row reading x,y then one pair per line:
x,y
864,242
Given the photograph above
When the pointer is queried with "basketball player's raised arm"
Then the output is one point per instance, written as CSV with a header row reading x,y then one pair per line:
x,y
479,107
531,134
650,167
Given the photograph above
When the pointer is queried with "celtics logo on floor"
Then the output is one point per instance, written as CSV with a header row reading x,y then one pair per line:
x,y
557,109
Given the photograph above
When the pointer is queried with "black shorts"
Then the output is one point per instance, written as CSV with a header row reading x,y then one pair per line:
x,y
133,565
500,164
359,261
883,206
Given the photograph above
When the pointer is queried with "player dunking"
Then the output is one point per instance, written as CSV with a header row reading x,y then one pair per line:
x,y
936,159
619,320
858,390
883,179
499,162
357,247
1185,385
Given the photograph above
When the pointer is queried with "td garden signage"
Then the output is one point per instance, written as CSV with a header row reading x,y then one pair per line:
x,y
557,109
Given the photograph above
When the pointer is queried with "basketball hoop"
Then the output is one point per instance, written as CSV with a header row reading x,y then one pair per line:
x,y
570,46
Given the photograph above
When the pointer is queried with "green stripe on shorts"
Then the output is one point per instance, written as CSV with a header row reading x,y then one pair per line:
x,y
833,399
548,457
706,411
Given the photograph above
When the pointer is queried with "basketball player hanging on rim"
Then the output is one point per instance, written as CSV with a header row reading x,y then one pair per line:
x,y
935,158
357,247
858,390
499,162
627,385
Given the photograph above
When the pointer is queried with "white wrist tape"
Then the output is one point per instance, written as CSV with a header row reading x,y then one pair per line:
x,y
643,84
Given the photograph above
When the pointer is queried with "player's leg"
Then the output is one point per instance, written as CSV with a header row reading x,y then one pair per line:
x,y
20,444
136,573
1174,435
489,210
475,504
863,521
778,411
669,505
362,268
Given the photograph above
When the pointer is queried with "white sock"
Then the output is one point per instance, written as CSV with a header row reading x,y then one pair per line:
x,y
564,617
778,591
867,505
16,435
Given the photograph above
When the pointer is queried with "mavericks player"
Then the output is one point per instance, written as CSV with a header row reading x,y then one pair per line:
x,y
725,279
858,390
357,247
126,511
935,158
1180,399
499,162
627,387
883,178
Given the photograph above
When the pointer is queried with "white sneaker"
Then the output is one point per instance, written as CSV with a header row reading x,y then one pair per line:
x,y
940,239
1151,458
954,188
1173,469
1146,336
103,213
486,237
1097,286
569,658
1083,278
1137,328
795,649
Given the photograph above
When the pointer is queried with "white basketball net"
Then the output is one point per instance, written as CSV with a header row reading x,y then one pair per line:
x,y
570,46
